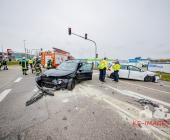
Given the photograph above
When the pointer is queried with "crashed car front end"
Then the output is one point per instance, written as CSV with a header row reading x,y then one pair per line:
x,y
55,82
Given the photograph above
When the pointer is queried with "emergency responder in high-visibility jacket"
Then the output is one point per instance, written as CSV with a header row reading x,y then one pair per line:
x,y
24,64
30,62
116,68
36,61
5,64
103,67
37,68
49,64
0,64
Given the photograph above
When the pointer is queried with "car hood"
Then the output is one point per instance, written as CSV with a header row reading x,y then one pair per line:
x,y
57,73
150,73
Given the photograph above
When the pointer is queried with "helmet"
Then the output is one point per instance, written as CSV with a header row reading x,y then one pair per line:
x,y
23,57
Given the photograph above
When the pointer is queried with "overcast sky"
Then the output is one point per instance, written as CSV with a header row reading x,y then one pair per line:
x,y
122,29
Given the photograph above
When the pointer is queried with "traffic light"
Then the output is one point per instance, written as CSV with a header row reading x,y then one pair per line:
x,y
85,36
69,31
96,55
41,49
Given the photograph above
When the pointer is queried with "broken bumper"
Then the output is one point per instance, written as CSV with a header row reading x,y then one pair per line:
x,y
52,82
156,78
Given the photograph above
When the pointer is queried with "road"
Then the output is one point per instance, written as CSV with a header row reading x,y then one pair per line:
x,y
93,110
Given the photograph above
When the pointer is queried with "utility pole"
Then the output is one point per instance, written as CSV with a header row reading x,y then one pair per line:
x,y
24,46
2,50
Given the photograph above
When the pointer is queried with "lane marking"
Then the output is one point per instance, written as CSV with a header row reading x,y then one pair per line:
x,y
65,100
146,87
136,118
137,95
4,94
18,79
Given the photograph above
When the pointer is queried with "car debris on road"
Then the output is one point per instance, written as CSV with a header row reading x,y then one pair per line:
x,y
34,99
147,102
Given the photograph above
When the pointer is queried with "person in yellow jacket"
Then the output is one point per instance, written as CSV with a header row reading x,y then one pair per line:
x,y
116,68
103,67
30,62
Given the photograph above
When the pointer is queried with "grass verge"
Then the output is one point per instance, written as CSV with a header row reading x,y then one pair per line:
x,y
165,76
96,68
13,63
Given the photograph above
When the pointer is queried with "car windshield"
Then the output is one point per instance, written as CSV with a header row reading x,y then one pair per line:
x,y
67,66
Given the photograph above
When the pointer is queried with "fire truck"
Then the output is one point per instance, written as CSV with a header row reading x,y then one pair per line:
x,y
58,56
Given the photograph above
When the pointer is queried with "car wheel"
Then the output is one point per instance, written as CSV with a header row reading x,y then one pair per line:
x,y
112,75
71,85
148,79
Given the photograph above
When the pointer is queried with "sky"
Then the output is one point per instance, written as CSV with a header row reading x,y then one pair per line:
x,y
122,29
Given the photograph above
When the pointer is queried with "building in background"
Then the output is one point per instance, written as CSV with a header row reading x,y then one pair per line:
x,y
16,56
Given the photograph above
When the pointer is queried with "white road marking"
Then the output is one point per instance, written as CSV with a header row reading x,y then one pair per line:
x,y
136,118
145,87
138,96
166,85
18,79
65,100
4,94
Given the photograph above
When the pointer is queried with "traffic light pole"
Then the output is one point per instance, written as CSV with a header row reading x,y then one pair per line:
x,y
91,41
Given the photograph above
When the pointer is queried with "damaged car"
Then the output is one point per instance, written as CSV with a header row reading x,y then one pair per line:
x,y
133,72
65,75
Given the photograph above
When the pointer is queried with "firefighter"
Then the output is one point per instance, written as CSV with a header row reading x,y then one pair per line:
x,y
49,64
24,64
30,62
116,68
34,62
103,67
37,68
0,64
100,72
5,64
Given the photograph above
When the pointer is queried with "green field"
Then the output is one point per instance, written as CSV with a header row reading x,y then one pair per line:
x,y
165,76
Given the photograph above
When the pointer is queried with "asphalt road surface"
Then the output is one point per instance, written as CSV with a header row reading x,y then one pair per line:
x,y
93,110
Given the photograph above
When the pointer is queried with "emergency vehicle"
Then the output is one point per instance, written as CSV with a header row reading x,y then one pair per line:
x,y
57,57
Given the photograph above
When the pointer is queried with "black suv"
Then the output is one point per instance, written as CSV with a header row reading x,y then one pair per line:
x,y
65,74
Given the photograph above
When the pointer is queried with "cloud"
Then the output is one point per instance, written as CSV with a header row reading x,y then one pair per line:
x,y
160,45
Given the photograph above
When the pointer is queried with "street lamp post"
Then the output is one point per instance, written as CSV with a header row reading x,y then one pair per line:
x,y
2,50
24,45
104,54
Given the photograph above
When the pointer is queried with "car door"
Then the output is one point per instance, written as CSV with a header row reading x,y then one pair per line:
x,y
136,73
85,72
123,72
